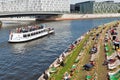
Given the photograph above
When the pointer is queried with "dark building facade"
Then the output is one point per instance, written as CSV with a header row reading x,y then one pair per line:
x,y
72,7
90,7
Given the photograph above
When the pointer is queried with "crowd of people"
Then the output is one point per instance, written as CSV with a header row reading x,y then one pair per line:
x,y
87,66
28,28
112,39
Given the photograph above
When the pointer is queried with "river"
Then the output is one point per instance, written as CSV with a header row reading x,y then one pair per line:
x,y
27,61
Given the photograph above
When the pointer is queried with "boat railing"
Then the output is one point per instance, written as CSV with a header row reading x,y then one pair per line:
x,y
27,29
49,29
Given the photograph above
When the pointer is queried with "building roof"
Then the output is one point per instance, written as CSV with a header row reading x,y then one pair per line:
x,y
85,2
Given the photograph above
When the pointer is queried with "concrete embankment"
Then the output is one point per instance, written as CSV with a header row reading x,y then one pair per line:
x,y
18,19
64,17
85,16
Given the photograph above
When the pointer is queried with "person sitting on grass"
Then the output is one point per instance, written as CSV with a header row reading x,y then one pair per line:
x,y
116,43
88,66
93,50
88,76
67,76
72,69
58,61
52,69
62,63
45,76
105,62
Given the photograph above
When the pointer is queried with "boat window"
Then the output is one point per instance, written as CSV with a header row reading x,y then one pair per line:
x,y
32,34
24,35
28,35
36,32
43,31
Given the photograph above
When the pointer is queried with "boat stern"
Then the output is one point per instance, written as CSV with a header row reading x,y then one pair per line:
x,y
15,37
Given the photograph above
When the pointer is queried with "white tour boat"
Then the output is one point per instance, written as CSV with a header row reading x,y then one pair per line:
x,y
29,33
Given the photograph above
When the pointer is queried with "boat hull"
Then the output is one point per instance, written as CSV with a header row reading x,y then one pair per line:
x,y
30,38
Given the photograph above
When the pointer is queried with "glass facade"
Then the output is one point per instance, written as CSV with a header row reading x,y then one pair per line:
x,y
97,7
34,5
84,7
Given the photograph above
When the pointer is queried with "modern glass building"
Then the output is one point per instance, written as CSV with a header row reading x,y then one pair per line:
x,y
34,5
97,7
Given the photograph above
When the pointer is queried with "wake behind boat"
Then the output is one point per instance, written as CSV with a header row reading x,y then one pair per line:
x,y
29,33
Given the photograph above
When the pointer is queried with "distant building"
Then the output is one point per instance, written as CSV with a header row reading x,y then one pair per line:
x,y
72,7
90,7
34,5
118,4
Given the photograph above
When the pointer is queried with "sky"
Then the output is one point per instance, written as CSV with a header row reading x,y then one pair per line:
x,y
75,1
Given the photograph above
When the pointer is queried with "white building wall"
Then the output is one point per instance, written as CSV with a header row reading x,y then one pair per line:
x,y
1,7
34,5
55,5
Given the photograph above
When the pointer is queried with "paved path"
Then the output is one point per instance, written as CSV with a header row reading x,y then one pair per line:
x,y
118,31
100,60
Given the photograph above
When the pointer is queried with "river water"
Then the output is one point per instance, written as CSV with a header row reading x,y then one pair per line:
x,y
27,61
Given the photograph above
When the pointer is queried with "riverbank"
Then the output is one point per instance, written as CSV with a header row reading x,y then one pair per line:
x,y
64,17
18,19
84,16
74,60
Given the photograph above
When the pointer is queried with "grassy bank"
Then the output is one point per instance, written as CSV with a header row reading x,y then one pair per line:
x,y
69,60
84,46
